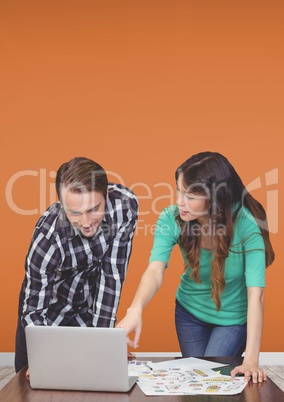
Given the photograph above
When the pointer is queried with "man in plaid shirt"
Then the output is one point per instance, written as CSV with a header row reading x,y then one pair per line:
x,y
78,256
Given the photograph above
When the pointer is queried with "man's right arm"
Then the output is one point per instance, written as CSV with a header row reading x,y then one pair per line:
x,y
41,261
150,283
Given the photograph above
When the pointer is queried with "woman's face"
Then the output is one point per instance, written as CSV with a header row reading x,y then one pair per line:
x,y
191,206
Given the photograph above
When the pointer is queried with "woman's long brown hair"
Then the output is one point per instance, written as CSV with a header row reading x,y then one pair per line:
x,y
211,174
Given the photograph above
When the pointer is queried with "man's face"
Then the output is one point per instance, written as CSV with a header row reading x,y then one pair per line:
x,y
85,210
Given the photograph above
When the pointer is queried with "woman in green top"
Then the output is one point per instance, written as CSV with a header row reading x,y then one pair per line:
x,y
223,236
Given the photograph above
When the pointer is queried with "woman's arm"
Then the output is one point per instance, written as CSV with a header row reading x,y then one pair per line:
x,y
250,366
150,283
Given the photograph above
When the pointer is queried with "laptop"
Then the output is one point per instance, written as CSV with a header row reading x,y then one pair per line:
x,y
78,358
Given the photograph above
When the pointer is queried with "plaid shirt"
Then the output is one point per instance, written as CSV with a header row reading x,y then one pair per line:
x,y
74,280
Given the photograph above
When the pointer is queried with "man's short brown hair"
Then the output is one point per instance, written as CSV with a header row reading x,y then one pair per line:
x,y
81,175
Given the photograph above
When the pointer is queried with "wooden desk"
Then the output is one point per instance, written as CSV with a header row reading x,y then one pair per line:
x,y
19,390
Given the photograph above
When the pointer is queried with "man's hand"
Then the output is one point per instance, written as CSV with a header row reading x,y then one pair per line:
x,y
252,371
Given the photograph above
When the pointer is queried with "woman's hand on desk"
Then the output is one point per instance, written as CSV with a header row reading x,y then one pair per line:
x,y
132,322
250,370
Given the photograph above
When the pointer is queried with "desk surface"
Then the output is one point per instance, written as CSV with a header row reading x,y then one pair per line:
x,y
19,390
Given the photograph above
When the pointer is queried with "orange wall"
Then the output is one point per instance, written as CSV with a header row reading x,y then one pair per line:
x,y
139,86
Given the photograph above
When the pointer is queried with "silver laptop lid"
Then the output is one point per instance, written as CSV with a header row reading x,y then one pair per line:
x,y
78,358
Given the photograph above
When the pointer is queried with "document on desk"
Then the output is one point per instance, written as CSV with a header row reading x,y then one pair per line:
x,y
187,362
166,378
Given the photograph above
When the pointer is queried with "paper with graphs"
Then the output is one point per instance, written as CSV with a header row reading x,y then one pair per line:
x,y
184,376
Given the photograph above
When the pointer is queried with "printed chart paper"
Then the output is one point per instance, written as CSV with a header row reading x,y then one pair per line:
x,y
182,377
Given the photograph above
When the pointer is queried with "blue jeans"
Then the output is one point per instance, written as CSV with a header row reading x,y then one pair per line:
x,y
198,338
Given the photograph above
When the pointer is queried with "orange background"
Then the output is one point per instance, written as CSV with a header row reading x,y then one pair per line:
x,y
138,86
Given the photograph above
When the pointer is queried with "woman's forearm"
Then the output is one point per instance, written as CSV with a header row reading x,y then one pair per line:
x,y
150,283
250,366
254,324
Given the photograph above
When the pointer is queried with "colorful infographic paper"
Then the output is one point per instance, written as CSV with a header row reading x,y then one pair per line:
x,y
184,376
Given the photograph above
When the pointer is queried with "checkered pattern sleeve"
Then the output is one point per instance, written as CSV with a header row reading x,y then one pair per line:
x,y
42,259
113,270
